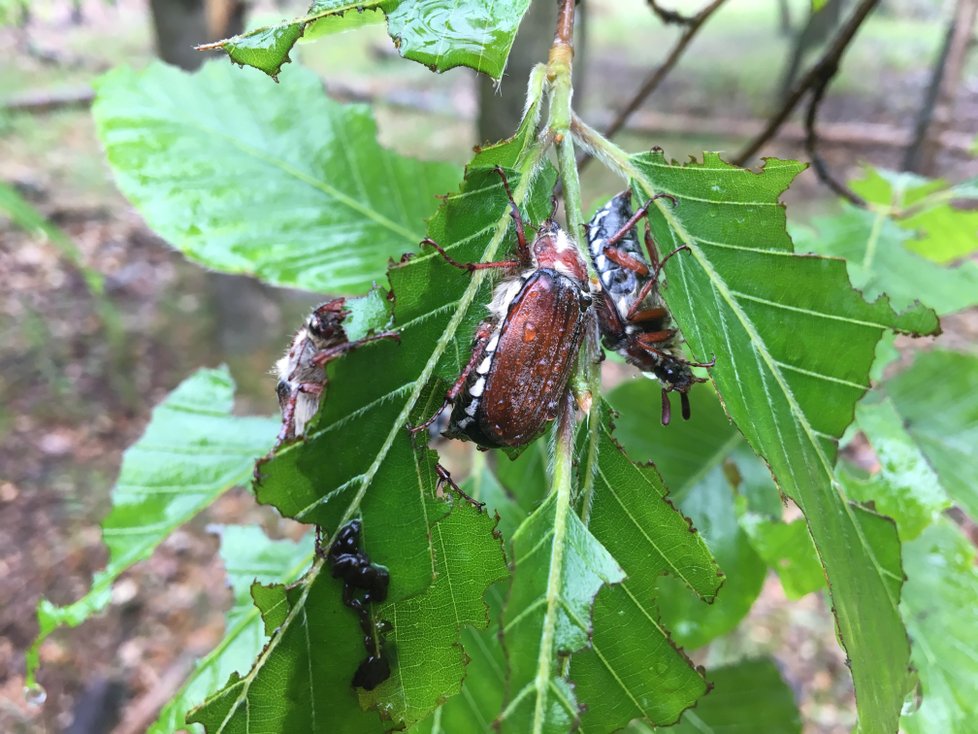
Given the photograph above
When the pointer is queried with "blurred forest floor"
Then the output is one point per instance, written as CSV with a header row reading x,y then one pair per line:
x,y
73,400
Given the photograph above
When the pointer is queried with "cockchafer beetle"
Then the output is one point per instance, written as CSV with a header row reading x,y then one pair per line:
x,y
363,583
302,370
631,316
524,354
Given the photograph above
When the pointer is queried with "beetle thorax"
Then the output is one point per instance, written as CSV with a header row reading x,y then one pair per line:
x,y
552,248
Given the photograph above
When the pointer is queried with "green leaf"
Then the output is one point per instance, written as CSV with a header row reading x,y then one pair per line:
x,y
747,697
359,460
559,567
691,456
483,486
473,33
787,548
633,669
266,49
427,627
937,401
192,452
939,602
481,699
683,452
248,555
879,261
944,233
794,345
302,679
277,182
385,385
906,488
317,646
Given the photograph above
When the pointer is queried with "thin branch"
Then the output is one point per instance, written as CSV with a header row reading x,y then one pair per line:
x,y
670,16
811,141
823,69
655,78
564,35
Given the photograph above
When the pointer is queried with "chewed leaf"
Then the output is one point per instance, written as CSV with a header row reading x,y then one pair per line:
x,y
318,644
633,669
794,343
441,34
438,569
249,557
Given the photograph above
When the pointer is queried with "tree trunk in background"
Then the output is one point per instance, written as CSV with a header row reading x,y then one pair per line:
x,y
815,32
500,109
180,25
937,108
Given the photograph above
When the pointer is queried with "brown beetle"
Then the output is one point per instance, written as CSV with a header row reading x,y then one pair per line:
x,y
302,370
633,320
524,354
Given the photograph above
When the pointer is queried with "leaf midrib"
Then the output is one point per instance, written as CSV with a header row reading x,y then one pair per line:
x,y
305,178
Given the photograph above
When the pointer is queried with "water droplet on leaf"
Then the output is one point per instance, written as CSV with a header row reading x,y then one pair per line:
x,y
35,695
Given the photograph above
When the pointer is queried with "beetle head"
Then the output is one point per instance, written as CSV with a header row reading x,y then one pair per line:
x,y
325,323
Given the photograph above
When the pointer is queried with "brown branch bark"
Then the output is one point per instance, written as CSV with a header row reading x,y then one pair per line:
x,y
670,16
811,145
824,68
564,35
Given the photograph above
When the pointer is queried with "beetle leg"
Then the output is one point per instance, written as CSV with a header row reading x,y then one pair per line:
x,y
657,267
471,267
667,407
288,419
514,212
642,340
445,478
657,313
323,356
478,352
653,280
641,212
623,259
655,337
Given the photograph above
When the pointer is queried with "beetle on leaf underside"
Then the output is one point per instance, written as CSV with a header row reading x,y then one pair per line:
x,y
631,315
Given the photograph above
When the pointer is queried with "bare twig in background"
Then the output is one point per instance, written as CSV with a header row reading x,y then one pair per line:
x,y
656,77
936,110
670,16
823,69
811,143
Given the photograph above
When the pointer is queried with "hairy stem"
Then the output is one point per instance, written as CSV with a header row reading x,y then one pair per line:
x,y
560,73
